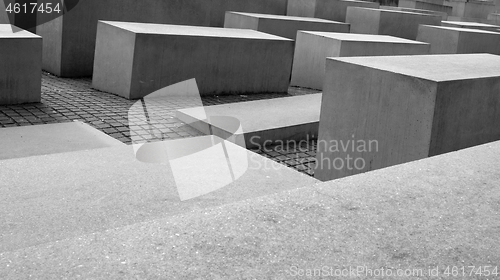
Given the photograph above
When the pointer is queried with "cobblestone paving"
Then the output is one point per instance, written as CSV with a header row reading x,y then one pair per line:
x,y
66,100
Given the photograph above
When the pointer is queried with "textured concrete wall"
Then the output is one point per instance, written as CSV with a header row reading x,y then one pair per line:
x,y
20,67
312,49
284,26
450,40
414,107
325,9
222,60
72,43
388,22
425,6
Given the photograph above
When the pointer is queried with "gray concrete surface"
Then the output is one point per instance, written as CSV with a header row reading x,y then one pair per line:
x,y
312,49
439,213
326,9
473,25
382,111
44,139
54,197
135,59
388,22
413,10
284,26
472,9
263,122
20,67
413,4
455,40
70,51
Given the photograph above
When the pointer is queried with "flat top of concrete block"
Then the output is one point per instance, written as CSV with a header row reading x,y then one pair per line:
x,y
46,139
364,37
263,115
294,18
419,217
461,29
6,32
434,67
467,23
53,197
186,30
391,11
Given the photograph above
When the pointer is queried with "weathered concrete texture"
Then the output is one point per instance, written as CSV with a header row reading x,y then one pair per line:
x,y
388,22
494,17
474,25
381,111
312,49
422,216
326,9
24,141
472,9
455,40
70,50
133,59
20,66
53,197
263,122
413,4
284,26
420,11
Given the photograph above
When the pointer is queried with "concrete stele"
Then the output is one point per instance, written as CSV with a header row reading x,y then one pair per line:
x,y
134,59
406,107
284,26
388,22
327,9
263,122
455,40
20,67
473,25
312,49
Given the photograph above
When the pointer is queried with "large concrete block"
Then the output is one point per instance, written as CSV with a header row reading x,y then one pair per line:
x,y
388,22
20,66
69,51
381,111
419,11
472,9
284,26
134,59
312,49
473,25
455,40
413,4
326,9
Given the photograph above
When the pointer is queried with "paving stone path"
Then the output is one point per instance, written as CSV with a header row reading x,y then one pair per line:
x,y
66,100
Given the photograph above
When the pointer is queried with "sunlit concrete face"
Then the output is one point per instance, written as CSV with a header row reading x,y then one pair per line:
x,y
381,111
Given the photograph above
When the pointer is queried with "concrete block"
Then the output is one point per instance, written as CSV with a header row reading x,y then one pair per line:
x,y
419,11
69,51
263,122
422,5
455,40
494,17
326,9
33,140
473,25
382,111
388,22
312,49
20,67
133,59
284,26
472,9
